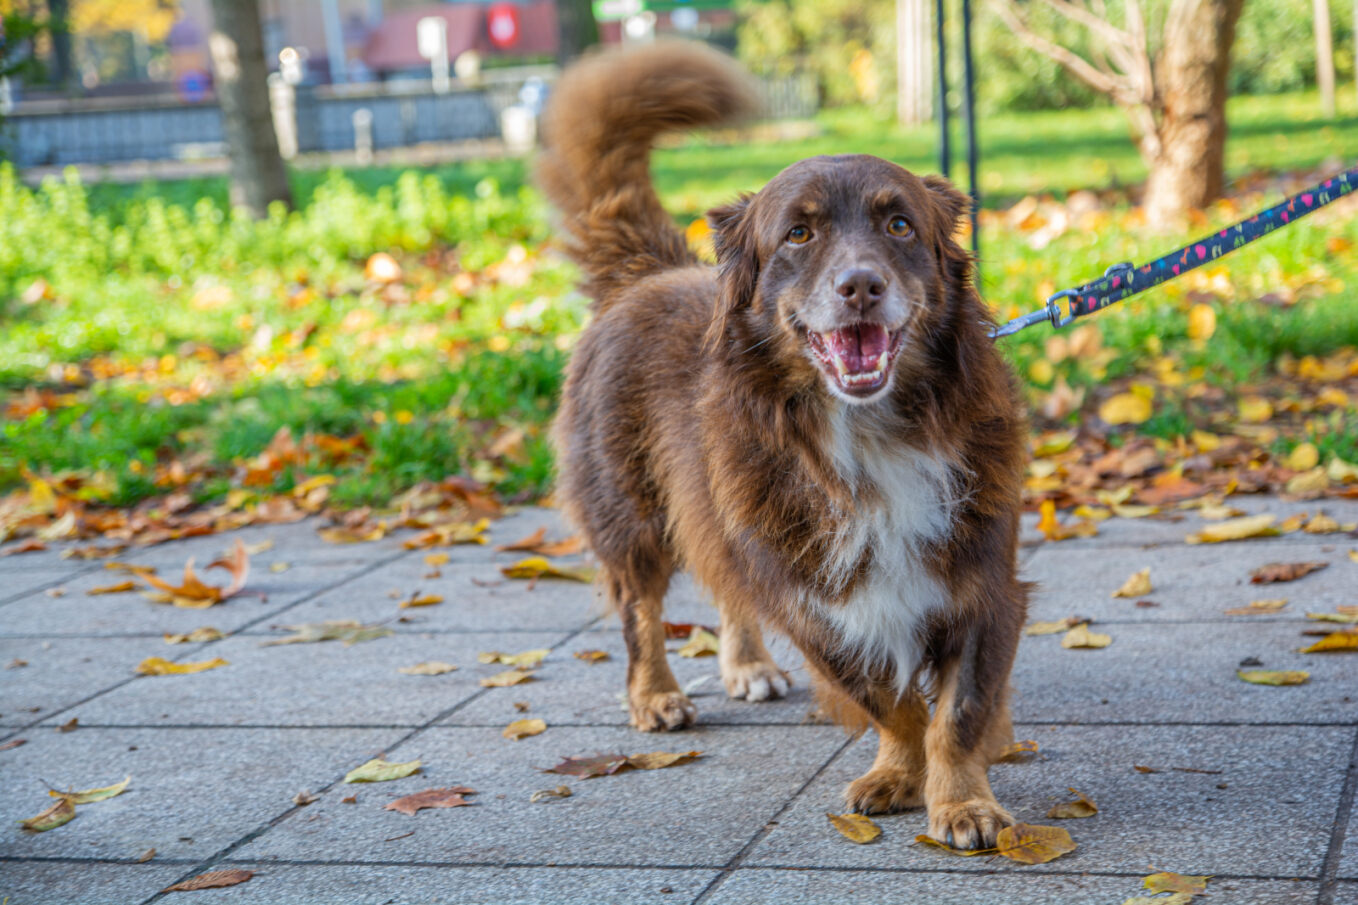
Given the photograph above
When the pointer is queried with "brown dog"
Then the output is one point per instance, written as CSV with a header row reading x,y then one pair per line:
x,y
820,431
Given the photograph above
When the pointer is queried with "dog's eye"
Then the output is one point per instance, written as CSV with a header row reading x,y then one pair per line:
x,y
899,226
799,235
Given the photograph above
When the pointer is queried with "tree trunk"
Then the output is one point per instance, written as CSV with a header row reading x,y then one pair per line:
x,y
1188,171
913,56
1324,55
240,77
58,23
577,29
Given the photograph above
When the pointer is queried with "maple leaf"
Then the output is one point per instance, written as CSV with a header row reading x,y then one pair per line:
x,y
1138,585
193,593
587,767
212,880
524,728
59,814
1082,806
379,770
855,827
1029,844
159,666
451,797
1272,572
1178,883
1274,677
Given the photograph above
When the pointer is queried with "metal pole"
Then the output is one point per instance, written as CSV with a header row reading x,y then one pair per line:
x,y
944,150
334,41
969,111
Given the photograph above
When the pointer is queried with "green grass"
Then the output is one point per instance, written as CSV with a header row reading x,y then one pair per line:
x,y
172,329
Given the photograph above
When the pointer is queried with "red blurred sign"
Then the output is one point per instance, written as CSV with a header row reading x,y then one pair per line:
x,y
502,21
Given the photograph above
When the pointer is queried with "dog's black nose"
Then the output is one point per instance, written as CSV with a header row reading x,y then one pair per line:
x,y
860,288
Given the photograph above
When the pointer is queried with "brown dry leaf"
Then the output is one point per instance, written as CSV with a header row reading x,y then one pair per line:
x,y
1070,810
506,678
588,767
206,633
701,643
146,856
193,593
1236,529
428,668
1138,585
59,814
13,743
1018,752
1029,844
1272,572
964,852
418,599
1334,643
237,565
1177,883
677,630
1258,606
591,656
855,827
212,880
535,567
1082,637
659,760
379,770
159,666
1052,628
524,729
118,588
537,543
549,794
431,798
70,725
343,535
1274,677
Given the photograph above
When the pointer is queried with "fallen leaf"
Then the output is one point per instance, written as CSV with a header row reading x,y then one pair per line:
x,y
431,798
349,631
1202,321
1178,898
520,706
277,567
434,560
118,588
70,725
1333,643
506,678
525,660
304,798
964,852
379,770
1029,844
28,546
855,827
1303,457
1052,628
537,543
588,767
146,856
91,795
1236,529
206,633
535,567
418,599
659,760
591,656
447,533
1255,409
193,593
1272,572
159,666
59,814
1054,530
1138,585
1340,617
212,880
13,743
1178,883
1258,606
428,668
701,643
676,630
1125,408
1018,752
1273,677
549,794
1082,637
341,535
524,728
1070,810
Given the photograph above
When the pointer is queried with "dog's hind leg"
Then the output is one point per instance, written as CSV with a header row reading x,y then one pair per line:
x,y
747,669
653,695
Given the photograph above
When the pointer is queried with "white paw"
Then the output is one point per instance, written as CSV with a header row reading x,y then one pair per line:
x,y
755,682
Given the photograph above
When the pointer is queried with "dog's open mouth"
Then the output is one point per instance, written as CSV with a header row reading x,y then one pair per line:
x,y
858,357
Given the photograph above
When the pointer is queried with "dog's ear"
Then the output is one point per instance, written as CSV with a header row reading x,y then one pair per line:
x,y
950,206
737,260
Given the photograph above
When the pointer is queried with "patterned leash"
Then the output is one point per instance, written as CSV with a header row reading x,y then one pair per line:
x,y
1123,280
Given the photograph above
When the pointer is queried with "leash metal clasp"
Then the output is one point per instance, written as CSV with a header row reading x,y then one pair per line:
x,y
1051,312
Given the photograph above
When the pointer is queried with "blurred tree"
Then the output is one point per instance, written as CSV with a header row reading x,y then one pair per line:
x,y
149,18
1176,99
847,45
577,27
240,77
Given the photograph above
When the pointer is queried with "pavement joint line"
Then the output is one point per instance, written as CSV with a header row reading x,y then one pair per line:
x,y
123,636
762,833
47,587
259,831
1329,870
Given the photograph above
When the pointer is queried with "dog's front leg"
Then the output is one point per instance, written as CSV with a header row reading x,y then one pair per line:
x,y
896,780
653,695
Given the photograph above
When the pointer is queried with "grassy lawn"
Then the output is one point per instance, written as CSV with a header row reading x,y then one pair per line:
x,y
153,341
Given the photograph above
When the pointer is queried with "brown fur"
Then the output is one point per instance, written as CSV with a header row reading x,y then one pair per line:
x,y
696,428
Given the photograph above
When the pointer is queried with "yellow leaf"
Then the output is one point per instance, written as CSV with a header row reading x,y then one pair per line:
x,y
206,633
1341,472
1236,529
1343,617
1333,643
1258,606
1052,443
118,588
526,660
1308,482
1041,371
1202,321
61,813
1135,511
159,666
436,559
428,668
421,600
1082,637
1052,628
353,535
1029,844
1125,408
1273,677
508,677
1070,810
855,827
659,760
1138,585
963,852
1255,409
538,567
1171,882
524,728
91,795
1018,752
701,643
1205,442
1303,458
379,770
591,656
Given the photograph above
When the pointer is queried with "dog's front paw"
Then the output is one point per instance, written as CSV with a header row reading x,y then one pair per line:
x,y
883,791
758,680
662,711
968,824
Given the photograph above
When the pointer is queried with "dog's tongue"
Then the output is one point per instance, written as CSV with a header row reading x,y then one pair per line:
x,y
859,347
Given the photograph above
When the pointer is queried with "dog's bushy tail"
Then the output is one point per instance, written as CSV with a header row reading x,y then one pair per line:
x,y
603,117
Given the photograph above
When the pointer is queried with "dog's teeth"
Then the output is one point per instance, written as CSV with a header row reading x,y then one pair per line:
x,y
881,361
841,367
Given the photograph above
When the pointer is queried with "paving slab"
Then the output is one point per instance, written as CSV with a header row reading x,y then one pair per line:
x,y
1184,672
1190,583
65,671
589,693
362,884
1345,894
193,791
88,883
698,814
1271,821
16,584
891,887
320,684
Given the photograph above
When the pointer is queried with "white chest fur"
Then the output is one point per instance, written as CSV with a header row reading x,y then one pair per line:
x,y
905,502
